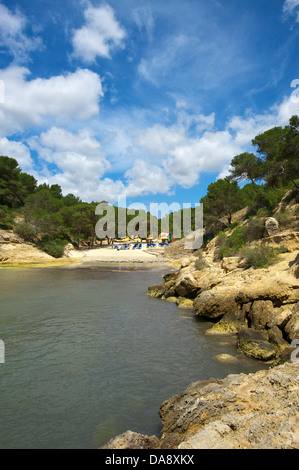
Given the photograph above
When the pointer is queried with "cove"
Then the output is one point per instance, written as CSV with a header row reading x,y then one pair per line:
x,y
89,355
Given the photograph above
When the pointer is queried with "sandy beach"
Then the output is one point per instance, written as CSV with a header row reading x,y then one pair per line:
x,y
110,255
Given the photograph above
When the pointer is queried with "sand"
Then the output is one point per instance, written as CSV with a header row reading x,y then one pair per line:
x,y
110,255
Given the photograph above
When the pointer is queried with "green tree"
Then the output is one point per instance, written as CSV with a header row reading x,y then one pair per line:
x,y
279,148
247,166
10,185
222,199
81,221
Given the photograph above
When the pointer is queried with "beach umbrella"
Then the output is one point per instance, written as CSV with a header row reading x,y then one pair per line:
x,y
164,236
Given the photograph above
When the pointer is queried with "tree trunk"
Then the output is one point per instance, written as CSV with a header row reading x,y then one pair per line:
x,y
294,183
254,186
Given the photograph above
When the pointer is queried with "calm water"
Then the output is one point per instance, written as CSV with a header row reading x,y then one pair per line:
x,y
90,355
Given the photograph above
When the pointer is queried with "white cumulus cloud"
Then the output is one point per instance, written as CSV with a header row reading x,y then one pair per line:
x,y
100,34
18,151
29,102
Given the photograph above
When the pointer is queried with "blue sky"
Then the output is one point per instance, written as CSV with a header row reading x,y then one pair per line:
x,y
148,99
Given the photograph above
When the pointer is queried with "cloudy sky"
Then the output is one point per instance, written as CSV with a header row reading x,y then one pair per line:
x,y
148,99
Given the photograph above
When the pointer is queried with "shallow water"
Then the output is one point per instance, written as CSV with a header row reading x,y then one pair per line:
x,y
90,355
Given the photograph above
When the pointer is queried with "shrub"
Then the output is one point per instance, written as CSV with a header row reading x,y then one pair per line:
x,y
284,219
200,263
26,231
6,220
258,256
228,246
255,229
54,247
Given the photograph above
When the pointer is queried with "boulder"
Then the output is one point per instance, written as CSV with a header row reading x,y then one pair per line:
x,y
276,338
292,326
182,302
169,293
158,290
216,302
230,264
170,276
259,313
295,267
278,292
254,343
230,323
279,316
272,226
187,261
187,287
132,440
226,358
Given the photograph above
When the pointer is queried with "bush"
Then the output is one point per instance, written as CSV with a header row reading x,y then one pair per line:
x,y
258,256
228,246
6,220
54,247
284,219
255,229
26,231
200,263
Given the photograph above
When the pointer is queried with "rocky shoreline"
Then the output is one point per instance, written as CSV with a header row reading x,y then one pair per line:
x,y
260,308
254,411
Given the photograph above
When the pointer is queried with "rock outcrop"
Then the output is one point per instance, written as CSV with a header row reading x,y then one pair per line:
x,y
14,251
265,301
254,411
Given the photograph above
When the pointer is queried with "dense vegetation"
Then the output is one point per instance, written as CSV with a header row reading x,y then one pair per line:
x,y
274,170
51,220
271,173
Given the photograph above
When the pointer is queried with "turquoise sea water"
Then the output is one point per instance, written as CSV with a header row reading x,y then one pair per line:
x,y
90,355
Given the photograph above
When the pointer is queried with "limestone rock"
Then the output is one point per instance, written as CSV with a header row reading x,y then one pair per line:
x,y
295,267
260,313
290,240
255,343
272,226
255,411
230,323
216,302
226,358
187,261
184,303
276,338
292,326
158,290
277,292
132,440
170,276
22,254
187,287
279,316
230,264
